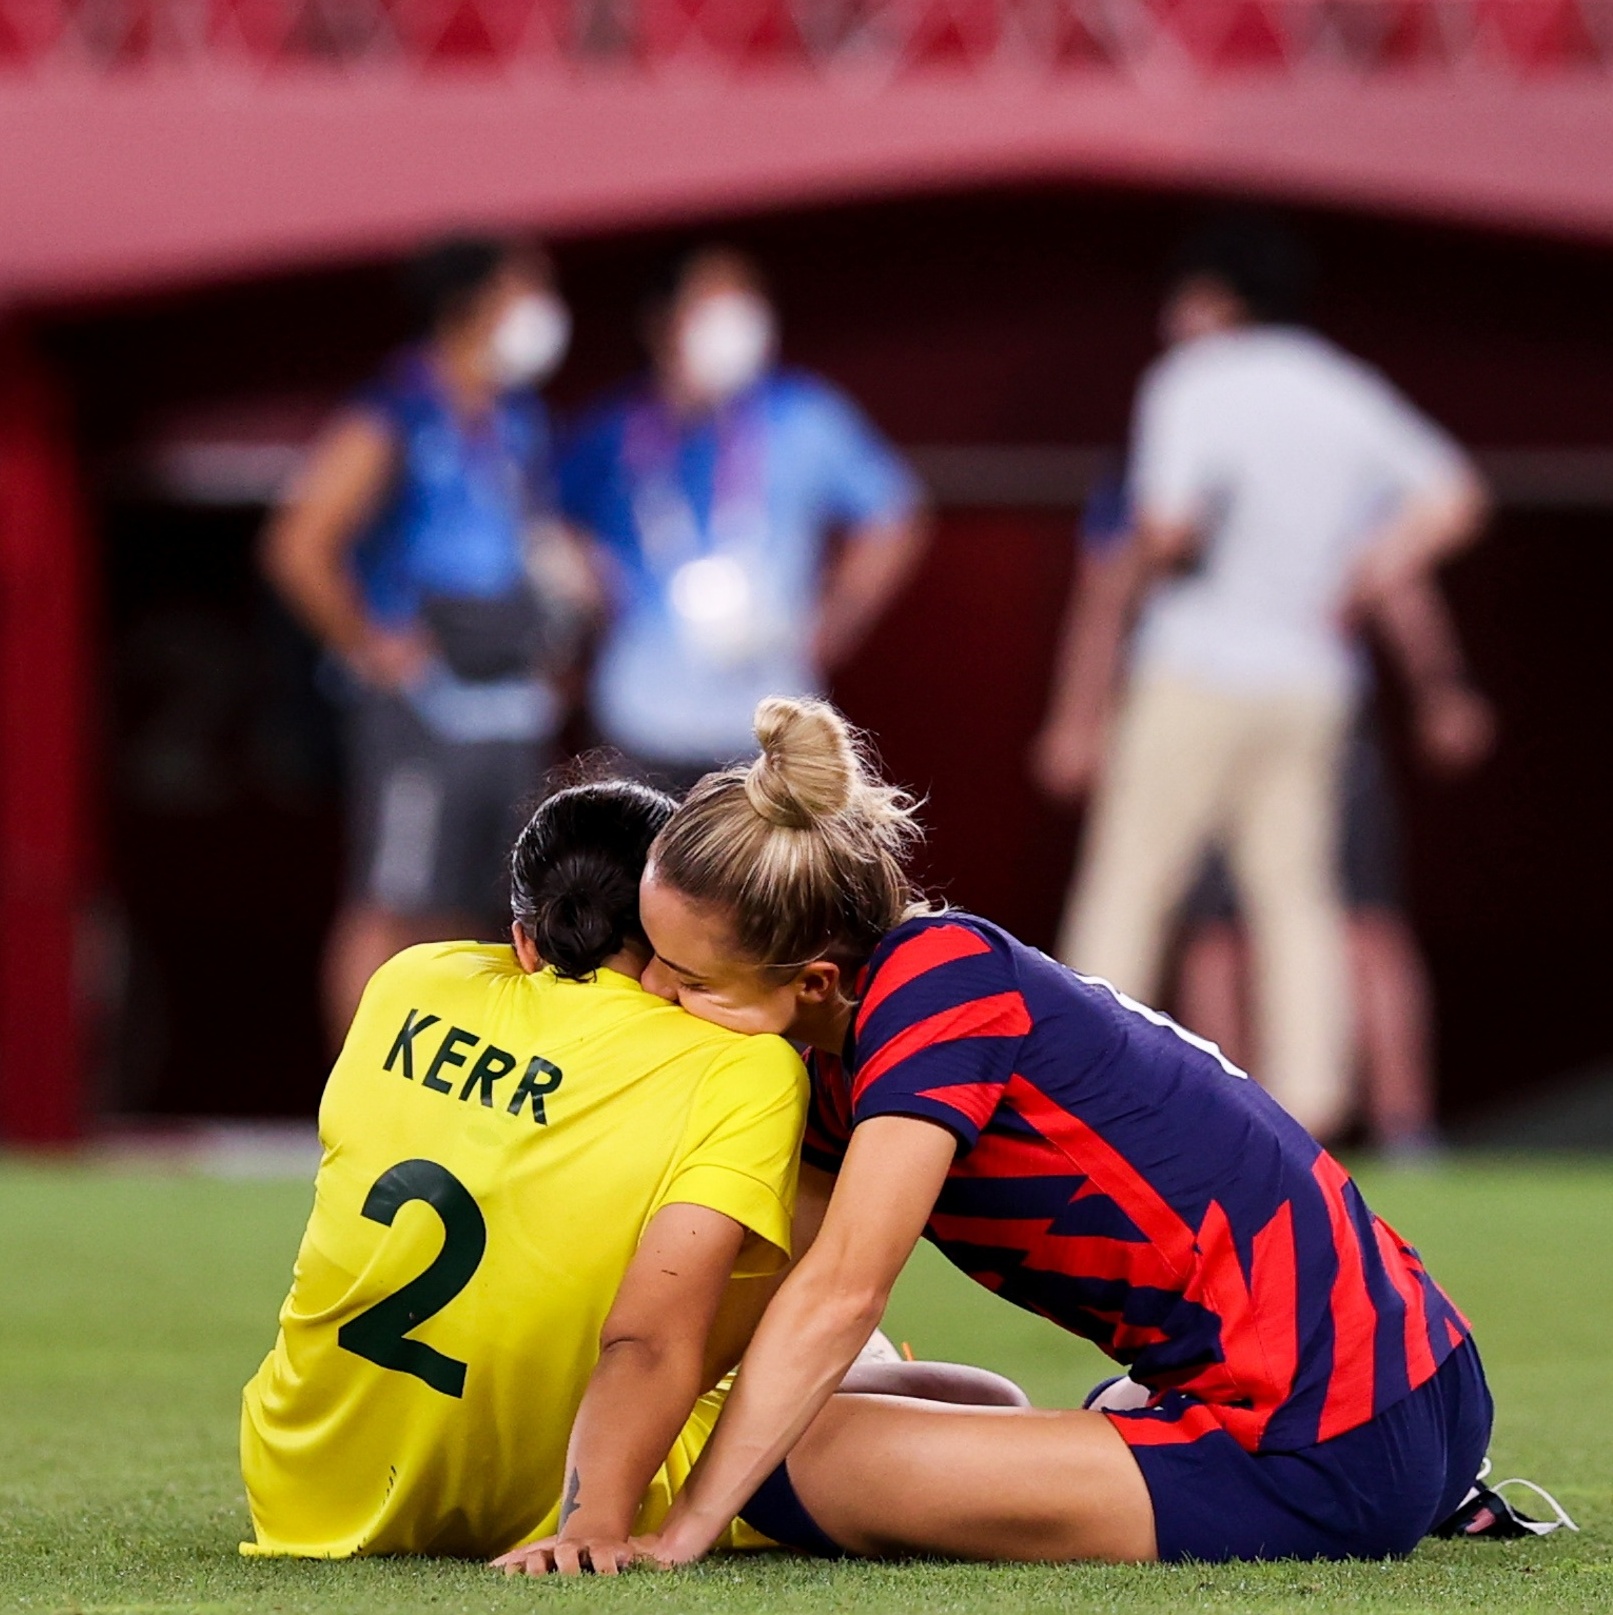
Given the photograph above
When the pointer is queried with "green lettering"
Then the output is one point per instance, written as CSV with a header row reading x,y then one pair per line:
x,y
448,1054
541,1078
403,1043
491,1064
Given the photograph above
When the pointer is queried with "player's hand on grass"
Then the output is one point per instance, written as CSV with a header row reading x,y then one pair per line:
x,y
667,1549
568,1556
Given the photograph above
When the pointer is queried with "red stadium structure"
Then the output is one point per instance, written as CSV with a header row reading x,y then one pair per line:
x,y
163,157
150,139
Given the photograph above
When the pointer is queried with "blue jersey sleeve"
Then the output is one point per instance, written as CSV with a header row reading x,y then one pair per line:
x,y
939,1028
863,479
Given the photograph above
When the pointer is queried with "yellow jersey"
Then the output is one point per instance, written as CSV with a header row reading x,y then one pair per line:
x,y
495,1144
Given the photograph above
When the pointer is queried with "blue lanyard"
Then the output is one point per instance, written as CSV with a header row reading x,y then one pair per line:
x,y
670,530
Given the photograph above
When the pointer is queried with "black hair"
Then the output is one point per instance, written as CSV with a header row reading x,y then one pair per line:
x,y
575,870
1258,259
444,278
667,275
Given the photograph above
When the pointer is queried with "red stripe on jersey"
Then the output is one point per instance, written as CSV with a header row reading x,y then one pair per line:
x,y
975,1100
1419,1354
1099,1257
1014,1155
1414,1265
1159,1430
1259,1320
1134,1337
936,945
1079,1256
998,1015
1111,1173
1351,1385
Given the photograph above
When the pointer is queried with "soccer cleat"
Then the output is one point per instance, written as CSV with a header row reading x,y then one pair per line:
x,y
1485,1514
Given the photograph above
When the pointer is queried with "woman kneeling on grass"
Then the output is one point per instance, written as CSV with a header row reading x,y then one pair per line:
x,y
1310,1391
543,1197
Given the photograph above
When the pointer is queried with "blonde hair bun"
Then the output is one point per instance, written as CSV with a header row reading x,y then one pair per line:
x,y
809,768
806,849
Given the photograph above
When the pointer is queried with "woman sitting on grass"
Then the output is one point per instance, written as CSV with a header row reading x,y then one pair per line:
x,y
1309,1390
546,1204
538,1179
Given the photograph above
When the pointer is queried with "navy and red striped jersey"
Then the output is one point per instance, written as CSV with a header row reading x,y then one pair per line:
x,y
1117,1175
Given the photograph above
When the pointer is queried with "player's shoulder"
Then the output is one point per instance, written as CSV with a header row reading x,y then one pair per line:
x,y
444,965
661,1031
761,1062
940,954
952,932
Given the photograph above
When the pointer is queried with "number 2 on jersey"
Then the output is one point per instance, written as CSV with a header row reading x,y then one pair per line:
x,y
381,1333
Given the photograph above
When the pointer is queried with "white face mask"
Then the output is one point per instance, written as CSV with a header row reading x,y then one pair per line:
x,y
725,343
530,340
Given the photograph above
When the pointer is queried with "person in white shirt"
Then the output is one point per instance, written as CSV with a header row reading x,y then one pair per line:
x,y
1283,489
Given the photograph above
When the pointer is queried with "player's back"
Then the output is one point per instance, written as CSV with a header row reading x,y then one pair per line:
x,y
495,1144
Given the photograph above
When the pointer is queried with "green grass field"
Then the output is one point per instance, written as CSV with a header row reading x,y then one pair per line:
x,y
135,1305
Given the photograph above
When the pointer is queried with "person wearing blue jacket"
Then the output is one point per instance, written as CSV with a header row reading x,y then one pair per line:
x,y
713,490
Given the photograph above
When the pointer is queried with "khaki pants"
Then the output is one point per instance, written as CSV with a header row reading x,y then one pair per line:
x,y
1192,767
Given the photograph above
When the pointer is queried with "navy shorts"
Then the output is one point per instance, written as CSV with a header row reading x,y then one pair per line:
x,y
777,1512
1372,1492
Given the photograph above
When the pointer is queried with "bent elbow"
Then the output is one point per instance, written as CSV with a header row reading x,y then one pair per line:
x,y
636,1359
855,1310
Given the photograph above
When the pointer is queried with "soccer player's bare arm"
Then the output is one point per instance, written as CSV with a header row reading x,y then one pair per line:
x,y
823,1314
306,549
746,1299
649,1375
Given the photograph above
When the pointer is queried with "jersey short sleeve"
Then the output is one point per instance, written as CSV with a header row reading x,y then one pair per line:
x,y
1407,450
939,1028
863,478
742,1147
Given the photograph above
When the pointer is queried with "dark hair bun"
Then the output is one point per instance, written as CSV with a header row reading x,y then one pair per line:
x,y
575,871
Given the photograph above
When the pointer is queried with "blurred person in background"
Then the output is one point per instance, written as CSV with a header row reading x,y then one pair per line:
x,y
1454,731
413,547
713,488
1284,492
1391,997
